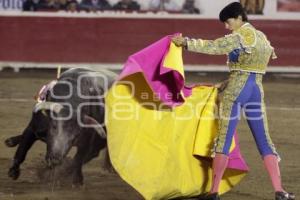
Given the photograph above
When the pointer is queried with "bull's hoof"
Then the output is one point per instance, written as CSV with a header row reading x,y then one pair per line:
x,y
77,186
14,173
107,170
77,181
10,142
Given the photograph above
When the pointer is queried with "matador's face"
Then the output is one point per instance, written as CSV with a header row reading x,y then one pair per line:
x,y
233,24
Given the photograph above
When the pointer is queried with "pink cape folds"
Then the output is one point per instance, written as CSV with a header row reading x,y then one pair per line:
x,y
165,152
162,79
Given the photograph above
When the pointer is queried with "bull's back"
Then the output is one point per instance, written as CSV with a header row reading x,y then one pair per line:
x,y
83,86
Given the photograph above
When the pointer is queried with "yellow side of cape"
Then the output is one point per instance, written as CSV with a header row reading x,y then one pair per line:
x,y
162,152
173,59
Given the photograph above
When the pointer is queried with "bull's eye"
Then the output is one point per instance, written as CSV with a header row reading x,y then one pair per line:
x,y
54,125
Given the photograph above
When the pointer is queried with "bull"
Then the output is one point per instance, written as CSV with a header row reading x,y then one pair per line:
x,y
73,114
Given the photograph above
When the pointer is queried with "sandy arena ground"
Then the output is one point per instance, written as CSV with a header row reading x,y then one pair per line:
x,y
16,100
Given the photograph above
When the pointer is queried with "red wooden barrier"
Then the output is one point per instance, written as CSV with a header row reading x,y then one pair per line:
x,y
112,40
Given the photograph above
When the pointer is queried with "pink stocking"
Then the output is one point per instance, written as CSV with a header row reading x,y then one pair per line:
x,y
271,164
219,165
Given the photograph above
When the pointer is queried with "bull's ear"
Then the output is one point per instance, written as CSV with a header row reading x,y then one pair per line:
x,y
93,123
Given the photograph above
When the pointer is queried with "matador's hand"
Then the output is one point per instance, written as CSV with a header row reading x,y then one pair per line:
x,y
221,86
179,41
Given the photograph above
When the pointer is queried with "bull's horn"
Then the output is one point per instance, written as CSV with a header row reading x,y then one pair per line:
x,y
46,105
95,125
100,130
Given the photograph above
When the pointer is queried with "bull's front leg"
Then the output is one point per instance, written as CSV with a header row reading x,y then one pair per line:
x,y
106,164
77,176
97,144
86,150
28,138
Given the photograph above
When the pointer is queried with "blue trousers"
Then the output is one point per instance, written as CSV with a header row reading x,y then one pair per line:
x,y
244,92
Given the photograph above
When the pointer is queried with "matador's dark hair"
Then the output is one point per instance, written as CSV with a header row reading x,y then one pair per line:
x,y
233,10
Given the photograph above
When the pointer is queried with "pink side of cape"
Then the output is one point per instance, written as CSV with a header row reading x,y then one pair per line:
x,y
165,82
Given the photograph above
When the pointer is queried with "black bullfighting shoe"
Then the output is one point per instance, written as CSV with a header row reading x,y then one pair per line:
x,y
213,196
284,196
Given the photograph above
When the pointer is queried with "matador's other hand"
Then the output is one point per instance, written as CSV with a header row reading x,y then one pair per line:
x,y
179,41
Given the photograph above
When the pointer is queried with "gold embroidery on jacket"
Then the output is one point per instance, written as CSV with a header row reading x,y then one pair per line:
x,y
255,49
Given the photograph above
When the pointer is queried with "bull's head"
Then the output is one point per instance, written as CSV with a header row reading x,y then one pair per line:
x,y
64,129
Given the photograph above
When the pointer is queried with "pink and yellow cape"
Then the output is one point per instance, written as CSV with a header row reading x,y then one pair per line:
x,y
161,132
